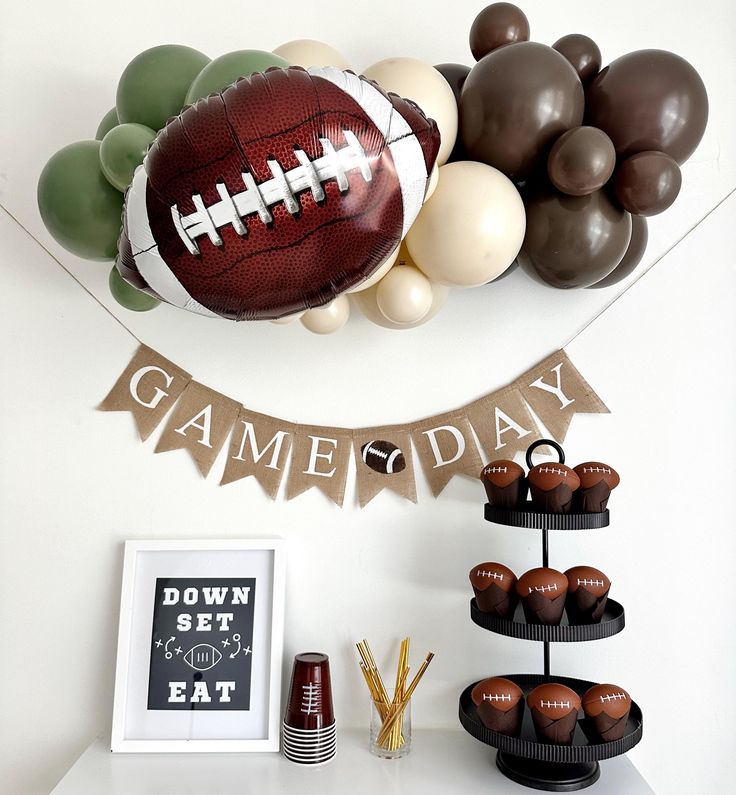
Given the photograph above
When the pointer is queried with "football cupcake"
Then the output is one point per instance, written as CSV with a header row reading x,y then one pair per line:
x,y
493,585
542,593
505,483
607,709
596,483
587,594
499,704
552,487
554,709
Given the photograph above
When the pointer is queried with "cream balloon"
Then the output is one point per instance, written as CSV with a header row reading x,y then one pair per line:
x,y
308,52
367,303
377,275
404,295
423,84
472,228
329,318
284,321
434,178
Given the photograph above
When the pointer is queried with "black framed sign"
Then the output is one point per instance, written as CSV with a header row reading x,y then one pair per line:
x,y
199,648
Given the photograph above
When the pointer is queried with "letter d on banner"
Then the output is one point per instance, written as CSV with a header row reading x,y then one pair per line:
x,y
446,447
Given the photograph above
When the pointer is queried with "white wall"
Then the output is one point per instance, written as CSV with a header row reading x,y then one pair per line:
x,y
76,483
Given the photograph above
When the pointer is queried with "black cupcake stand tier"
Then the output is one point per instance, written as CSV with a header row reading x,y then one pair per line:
x,y
543,766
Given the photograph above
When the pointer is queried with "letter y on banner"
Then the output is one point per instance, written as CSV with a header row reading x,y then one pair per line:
x,y
148,387
557,391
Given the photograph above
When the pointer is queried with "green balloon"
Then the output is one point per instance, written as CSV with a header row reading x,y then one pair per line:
x,y
154,84
109,120
228,68
79,207
126,295
122,151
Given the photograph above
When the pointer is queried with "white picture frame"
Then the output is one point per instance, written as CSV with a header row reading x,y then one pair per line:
x,y
148,565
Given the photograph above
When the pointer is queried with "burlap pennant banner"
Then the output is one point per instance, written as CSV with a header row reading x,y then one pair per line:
x,y
200,423
201,420
259,446
148,387
557,391
503,423
320,458
446,447
383,460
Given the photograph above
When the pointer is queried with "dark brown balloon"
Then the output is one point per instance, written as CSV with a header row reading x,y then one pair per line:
x,y
582,53
581,161
496,25
455,75
515,103
574,241
647,183
633,255
649,100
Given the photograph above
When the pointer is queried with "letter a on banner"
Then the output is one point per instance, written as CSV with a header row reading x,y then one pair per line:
x,y
503,423
259,447
200,423
446,447
148,388
557,391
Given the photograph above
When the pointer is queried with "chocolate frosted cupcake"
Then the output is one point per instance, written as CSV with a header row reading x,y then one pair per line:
x,y
596,483
542,593
552,487
499,704
607,709
554,709
505,483
493,585
587,594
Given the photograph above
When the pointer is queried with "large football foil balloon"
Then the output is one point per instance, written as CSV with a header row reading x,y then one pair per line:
x,y
276,195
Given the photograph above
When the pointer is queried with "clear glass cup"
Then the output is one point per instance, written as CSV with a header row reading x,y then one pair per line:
x,y
396,742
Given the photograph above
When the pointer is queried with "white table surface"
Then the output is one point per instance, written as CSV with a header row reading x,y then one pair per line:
x,y
440,762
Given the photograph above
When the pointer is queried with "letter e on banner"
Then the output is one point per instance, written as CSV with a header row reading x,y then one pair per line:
x,y
320,458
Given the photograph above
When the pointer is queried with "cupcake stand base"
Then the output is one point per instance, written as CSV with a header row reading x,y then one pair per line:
x,y
550,776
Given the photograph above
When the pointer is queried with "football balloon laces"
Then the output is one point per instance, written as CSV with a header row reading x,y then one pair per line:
x,y
257,198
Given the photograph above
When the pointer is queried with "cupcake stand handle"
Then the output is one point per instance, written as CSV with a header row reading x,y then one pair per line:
x,y
545,530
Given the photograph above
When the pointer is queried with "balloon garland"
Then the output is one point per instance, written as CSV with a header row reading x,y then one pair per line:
x,y
544,161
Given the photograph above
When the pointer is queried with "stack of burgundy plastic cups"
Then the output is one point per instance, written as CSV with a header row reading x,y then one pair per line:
x,y
309,724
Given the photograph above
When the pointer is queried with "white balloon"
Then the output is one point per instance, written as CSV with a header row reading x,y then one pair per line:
x,y
284,321
308,52
423,84
376,277
472,228
434,178
404,295
329,318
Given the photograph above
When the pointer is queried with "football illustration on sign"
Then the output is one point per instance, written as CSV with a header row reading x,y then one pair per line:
x,y
202,657
383,457
276,195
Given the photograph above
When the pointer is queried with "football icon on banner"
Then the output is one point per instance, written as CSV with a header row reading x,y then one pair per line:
x,y
202,657
383,457
276,195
